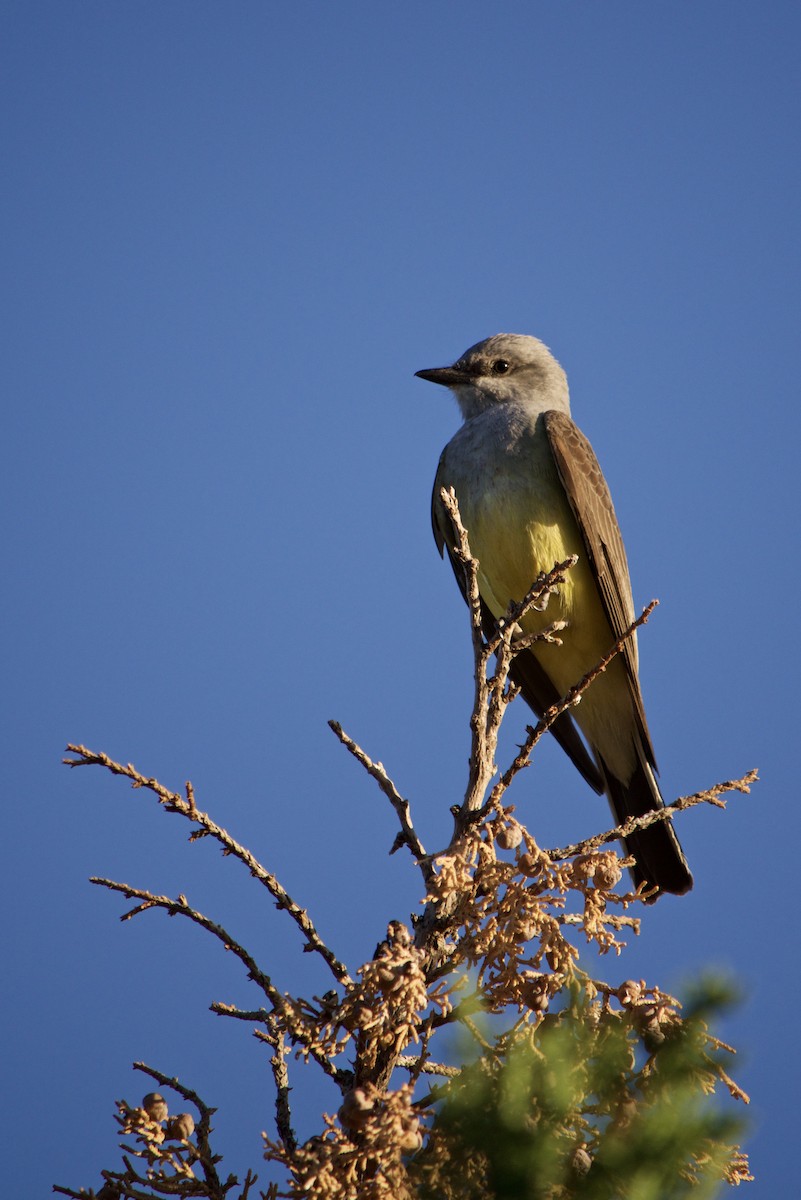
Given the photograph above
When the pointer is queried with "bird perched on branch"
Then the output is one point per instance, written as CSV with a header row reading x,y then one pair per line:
x,y
531,493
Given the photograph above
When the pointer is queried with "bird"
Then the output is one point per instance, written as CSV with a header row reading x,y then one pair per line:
x,y
531,493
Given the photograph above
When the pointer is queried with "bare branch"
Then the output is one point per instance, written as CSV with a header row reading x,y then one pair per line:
x,y
202,1129
186,807
492,694
175,1085
180,907
569,700
410,1063
632,824
255,1016
401,805
283,1116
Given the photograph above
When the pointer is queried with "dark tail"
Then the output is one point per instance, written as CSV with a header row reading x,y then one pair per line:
x,y
660,858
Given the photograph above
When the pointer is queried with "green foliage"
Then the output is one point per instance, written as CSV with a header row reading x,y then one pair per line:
x,y
589,1104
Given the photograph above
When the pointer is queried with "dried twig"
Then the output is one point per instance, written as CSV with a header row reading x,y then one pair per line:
x,y
410,1063
632,824
401,805
255,1016
568,701
492,694
274,1036
203,1127
180,907
186,807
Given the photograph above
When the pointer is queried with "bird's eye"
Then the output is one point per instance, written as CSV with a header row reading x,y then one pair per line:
x,y
499,367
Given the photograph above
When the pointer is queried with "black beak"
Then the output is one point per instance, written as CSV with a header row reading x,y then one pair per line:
x,y
448,376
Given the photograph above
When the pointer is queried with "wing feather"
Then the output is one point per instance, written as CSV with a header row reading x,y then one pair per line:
x,y
589,498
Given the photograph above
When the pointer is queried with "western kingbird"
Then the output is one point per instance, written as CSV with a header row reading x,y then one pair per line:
x,y
531,493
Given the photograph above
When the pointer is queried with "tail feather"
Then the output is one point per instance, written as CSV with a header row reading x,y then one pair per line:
x,y
660,860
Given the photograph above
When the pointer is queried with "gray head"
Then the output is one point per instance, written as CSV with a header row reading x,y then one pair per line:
x,y
509,367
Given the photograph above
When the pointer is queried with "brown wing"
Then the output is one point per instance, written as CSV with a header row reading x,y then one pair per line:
x,y
535,686
592,507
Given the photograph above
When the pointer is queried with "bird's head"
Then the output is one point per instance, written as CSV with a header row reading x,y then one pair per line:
x,y
505,368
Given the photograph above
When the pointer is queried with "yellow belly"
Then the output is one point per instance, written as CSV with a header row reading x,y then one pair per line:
x,y
513,548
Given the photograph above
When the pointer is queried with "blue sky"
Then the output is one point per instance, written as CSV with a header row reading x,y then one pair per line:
x,y
232,234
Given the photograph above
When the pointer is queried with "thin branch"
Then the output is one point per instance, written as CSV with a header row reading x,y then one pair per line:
x,y
203,1128
482,763
175,1085
144,1187
247,1184
633,824
492,694
568,701
283,1114
410,1063
256,1016
181,907
174,802
401,805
